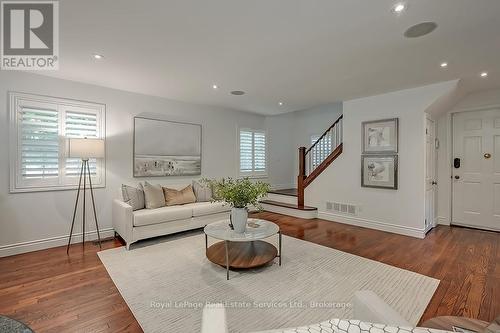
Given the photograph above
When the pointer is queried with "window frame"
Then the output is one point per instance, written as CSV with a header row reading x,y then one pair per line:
x,y
253,174
17,100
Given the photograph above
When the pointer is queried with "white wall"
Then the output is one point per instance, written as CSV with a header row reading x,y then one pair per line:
x,y
31,221
401,211
288,132
472,101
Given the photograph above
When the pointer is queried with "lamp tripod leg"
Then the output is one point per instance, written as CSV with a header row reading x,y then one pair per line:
x,y
74,211
84,192
93,206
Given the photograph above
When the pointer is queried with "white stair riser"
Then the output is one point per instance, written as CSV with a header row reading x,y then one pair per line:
x,y
303,214
282,198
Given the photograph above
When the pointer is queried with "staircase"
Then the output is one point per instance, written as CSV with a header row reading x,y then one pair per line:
x,y
312,162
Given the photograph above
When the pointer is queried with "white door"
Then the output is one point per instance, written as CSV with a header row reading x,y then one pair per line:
x,y
476,182
430,173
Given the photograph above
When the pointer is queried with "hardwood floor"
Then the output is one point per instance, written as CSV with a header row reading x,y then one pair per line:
x,y
53,292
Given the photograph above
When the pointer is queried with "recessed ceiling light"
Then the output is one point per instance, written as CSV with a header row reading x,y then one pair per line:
x,y
237,92
399,7
98,56
444,64
214,86
484,74
280,103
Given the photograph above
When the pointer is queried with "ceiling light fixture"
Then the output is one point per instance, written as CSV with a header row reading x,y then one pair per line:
x,y
280,103
421,29
399,8
215,86
484,74
237,92
98,56
444,64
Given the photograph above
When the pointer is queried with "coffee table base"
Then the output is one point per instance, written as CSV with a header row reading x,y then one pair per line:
x,y
242,255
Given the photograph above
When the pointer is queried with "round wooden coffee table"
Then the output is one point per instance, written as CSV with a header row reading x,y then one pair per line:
x,y
239,251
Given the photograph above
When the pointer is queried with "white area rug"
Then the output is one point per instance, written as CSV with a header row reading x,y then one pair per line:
x,y
166,282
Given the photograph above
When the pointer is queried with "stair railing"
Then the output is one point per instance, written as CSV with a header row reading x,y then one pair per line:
x,y
318,157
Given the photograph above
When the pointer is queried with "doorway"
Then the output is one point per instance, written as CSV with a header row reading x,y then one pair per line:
x,y
476,169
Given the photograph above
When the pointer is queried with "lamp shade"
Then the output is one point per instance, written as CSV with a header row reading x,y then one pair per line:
x,y
86,148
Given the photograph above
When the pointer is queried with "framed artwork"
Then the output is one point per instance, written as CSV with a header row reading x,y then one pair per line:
x,y
379,171
380,136
166,148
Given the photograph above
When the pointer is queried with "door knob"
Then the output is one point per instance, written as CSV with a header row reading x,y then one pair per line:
x,y
487,155
434,182
457,177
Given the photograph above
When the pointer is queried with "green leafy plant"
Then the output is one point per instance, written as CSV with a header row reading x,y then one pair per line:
x,y
239,193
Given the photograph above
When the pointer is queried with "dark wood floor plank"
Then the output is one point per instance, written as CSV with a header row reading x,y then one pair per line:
x,y
53,292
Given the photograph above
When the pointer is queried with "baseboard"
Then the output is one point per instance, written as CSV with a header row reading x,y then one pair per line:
x,y
442,220
372,224
40,244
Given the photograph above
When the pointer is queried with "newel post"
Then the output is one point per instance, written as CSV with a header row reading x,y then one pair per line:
x,y
302,176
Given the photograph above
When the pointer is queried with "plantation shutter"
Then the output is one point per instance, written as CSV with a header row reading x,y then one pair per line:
x,y
39,143
39,126
80,125
246,151
253,159
259,152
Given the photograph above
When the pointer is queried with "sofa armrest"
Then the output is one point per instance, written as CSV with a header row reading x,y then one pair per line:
x,y
368,307
214,319
123,220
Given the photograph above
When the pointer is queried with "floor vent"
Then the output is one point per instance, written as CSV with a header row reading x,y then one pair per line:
x,y
341,208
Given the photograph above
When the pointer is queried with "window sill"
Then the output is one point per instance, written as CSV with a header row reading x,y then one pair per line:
x,y
253,176
52,188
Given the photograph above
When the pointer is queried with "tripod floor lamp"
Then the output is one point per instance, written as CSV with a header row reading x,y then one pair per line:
x,y
85,149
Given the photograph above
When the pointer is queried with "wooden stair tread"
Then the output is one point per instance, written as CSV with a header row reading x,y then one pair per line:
x,y
291,192
287,205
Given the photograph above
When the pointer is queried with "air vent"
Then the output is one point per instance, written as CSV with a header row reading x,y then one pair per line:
x,y
342,208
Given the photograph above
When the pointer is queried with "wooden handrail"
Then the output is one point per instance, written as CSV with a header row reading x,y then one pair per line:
x,y
325,133
303,180
320,168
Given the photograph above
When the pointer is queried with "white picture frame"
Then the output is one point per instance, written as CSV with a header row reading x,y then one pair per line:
x,y
380,136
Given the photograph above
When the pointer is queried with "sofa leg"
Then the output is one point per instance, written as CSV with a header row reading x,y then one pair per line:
x,y
116,234
127,246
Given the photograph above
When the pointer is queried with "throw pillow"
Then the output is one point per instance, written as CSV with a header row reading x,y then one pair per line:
x,y
202,192
175,197
133,196
153,195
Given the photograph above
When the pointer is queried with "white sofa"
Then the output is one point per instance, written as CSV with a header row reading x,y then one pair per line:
x,y
371,314
133,226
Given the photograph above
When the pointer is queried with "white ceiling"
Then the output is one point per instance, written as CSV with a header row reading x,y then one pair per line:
x,y
302,52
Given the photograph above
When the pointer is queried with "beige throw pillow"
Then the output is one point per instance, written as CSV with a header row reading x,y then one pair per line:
x,y
202,192
153,195
133,196
176,197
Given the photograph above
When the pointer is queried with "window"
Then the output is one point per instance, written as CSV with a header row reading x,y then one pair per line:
x,y
39,129
252,153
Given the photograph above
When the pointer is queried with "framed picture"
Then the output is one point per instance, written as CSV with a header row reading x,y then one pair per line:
x,y
166,148
379,171
380,136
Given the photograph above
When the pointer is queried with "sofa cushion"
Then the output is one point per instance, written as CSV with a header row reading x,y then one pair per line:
x,y
160,215
133,197
153,195
207,208
202,192
175,197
